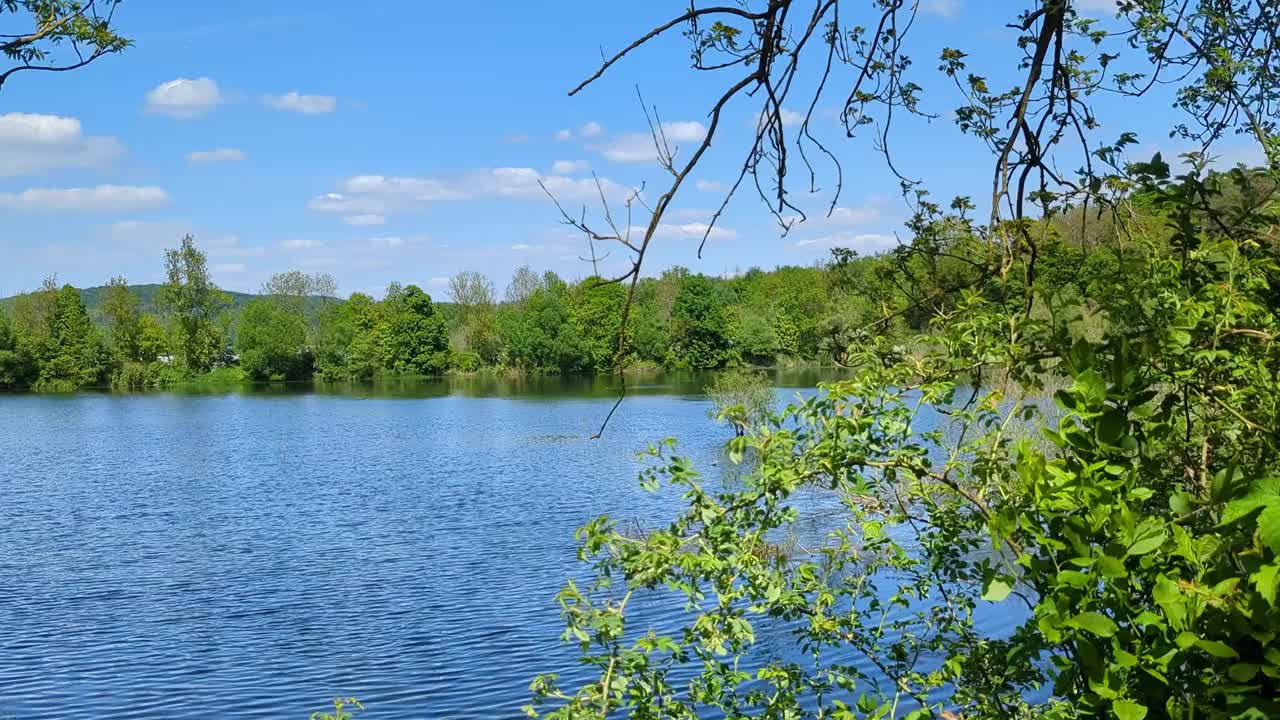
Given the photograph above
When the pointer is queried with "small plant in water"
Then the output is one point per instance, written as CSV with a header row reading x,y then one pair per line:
x,y
741,398
340,710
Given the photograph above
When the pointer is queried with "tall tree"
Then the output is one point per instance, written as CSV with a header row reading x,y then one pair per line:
x,y
32,312
595,309
477,325
17,366
124,320
523,282
74,355
348,345
272,341
194,306
699,326
414,337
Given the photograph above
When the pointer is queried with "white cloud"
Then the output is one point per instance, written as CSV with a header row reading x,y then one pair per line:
x,y
218,155
301,244
438,281
591,129
522,247
569,167
184,97
943,8
639,147
366,219
299,103
689,231
103,198
698,230
35,143
393,241
790,118
564,135
708,185
853,216
865,243
377,194
228,268
684,131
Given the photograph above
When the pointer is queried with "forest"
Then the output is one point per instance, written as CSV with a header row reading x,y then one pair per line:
x,y
188,330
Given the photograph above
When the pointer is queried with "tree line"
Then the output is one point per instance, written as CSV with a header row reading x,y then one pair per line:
x,y
297,328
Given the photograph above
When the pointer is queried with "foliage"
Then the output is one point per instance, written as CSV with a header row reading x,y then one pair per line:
x,y
741,398
73,355
414,340
272,342
477,322
540,336
17,367
194,306
1140,546
124,322
596,314
699,327
46,28
340,710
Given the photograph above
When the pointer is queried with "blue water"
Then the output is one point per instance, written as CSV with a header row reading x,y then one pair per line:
x,y
252,555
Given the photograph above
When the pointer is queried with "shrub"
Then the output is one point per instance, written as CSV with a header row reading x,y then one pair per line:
x,y
741,398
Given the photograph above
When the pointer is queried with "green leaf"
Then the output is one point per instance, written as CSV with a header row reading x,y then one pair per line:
x,y
1149,536
1111,567
1129,710
997,591
1181,502
1112,426
1095,623
1266,579
1269,526
1170,599
1217,648
1243,672
1090,387
1073,578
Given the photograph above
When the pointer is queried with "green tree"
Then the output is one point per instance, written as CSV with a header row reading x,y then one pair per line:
x,y
595,310
348,346
699,327
57,35
17,366
32,313
539,335
74,355
124,321
413,334
272,342
477,323
194,306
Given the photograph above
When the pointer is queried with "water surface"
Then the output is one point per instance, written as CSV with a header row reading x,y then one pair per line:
x,y
254,553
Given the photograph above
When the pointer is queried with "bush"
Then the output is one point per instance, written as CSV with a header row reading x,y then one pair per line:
x,y
1140,551
467,361
741,398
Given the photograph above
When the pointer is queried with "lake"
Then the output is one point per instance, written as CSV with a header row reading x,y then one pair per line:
x,y
255,553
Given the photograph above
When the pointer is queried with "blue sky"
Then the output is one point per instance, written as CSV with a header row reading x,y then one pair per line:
x,y
402,141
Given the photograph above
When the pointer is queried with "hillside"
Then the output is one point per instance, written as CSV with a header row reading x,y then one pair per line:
x,y
93,297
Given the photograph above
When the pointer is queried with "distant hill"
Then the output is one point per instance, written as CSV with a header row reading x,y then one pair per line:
x,y
93,297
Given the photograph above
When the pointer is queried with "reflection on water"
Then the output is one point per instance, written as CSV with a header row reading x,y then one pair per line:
x,y
522,386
